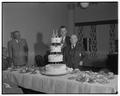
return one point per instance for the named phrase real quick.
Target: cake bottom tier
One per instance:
(56, 68)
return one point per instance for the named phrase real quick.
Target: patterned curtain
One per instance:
(93, 41)
(80, 35)
(112, 38)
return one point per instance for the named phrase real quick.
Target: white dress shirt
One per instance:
(73, 46)
(16, 40)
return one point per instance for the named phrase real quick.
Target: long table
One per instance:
(58, 84)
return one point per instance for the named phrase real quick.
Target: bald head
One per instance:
(73, 39)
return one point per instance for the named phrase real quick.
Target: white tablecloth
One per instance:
(58, 84)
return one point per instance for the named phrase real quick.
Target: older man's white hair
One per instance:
(74, 36)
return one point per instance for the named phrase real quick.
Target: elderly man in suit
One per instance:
(18, 50)
(74, 54)
(65, 39)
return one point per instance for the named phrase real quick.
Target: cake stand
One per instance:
(53, 74)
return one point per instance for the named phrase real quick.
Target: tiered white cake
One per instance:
(56, 68)
(55, 58)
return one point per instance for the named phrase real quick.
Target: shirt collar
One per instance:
(73, 45)
(17, 40)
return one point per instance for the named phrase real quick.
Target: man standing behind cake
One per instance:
(74, 54)
(65, 39)
(18, 50)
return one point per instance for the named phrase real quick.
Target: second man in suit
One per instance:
(74, 54)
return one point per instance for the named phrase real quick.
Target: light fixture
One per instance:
(84, 4)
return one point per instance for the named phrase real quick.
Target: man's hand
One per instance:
(81, 63)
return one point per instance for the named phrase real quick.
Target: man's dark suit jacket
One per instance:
(66, 42)
(72, 57)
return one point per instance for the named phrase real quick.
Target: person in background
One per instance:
(74, 54)
(6, 61)
(65, 39)
(18, 50)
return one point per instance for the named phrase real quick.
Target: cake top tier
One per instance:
(56, 40)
